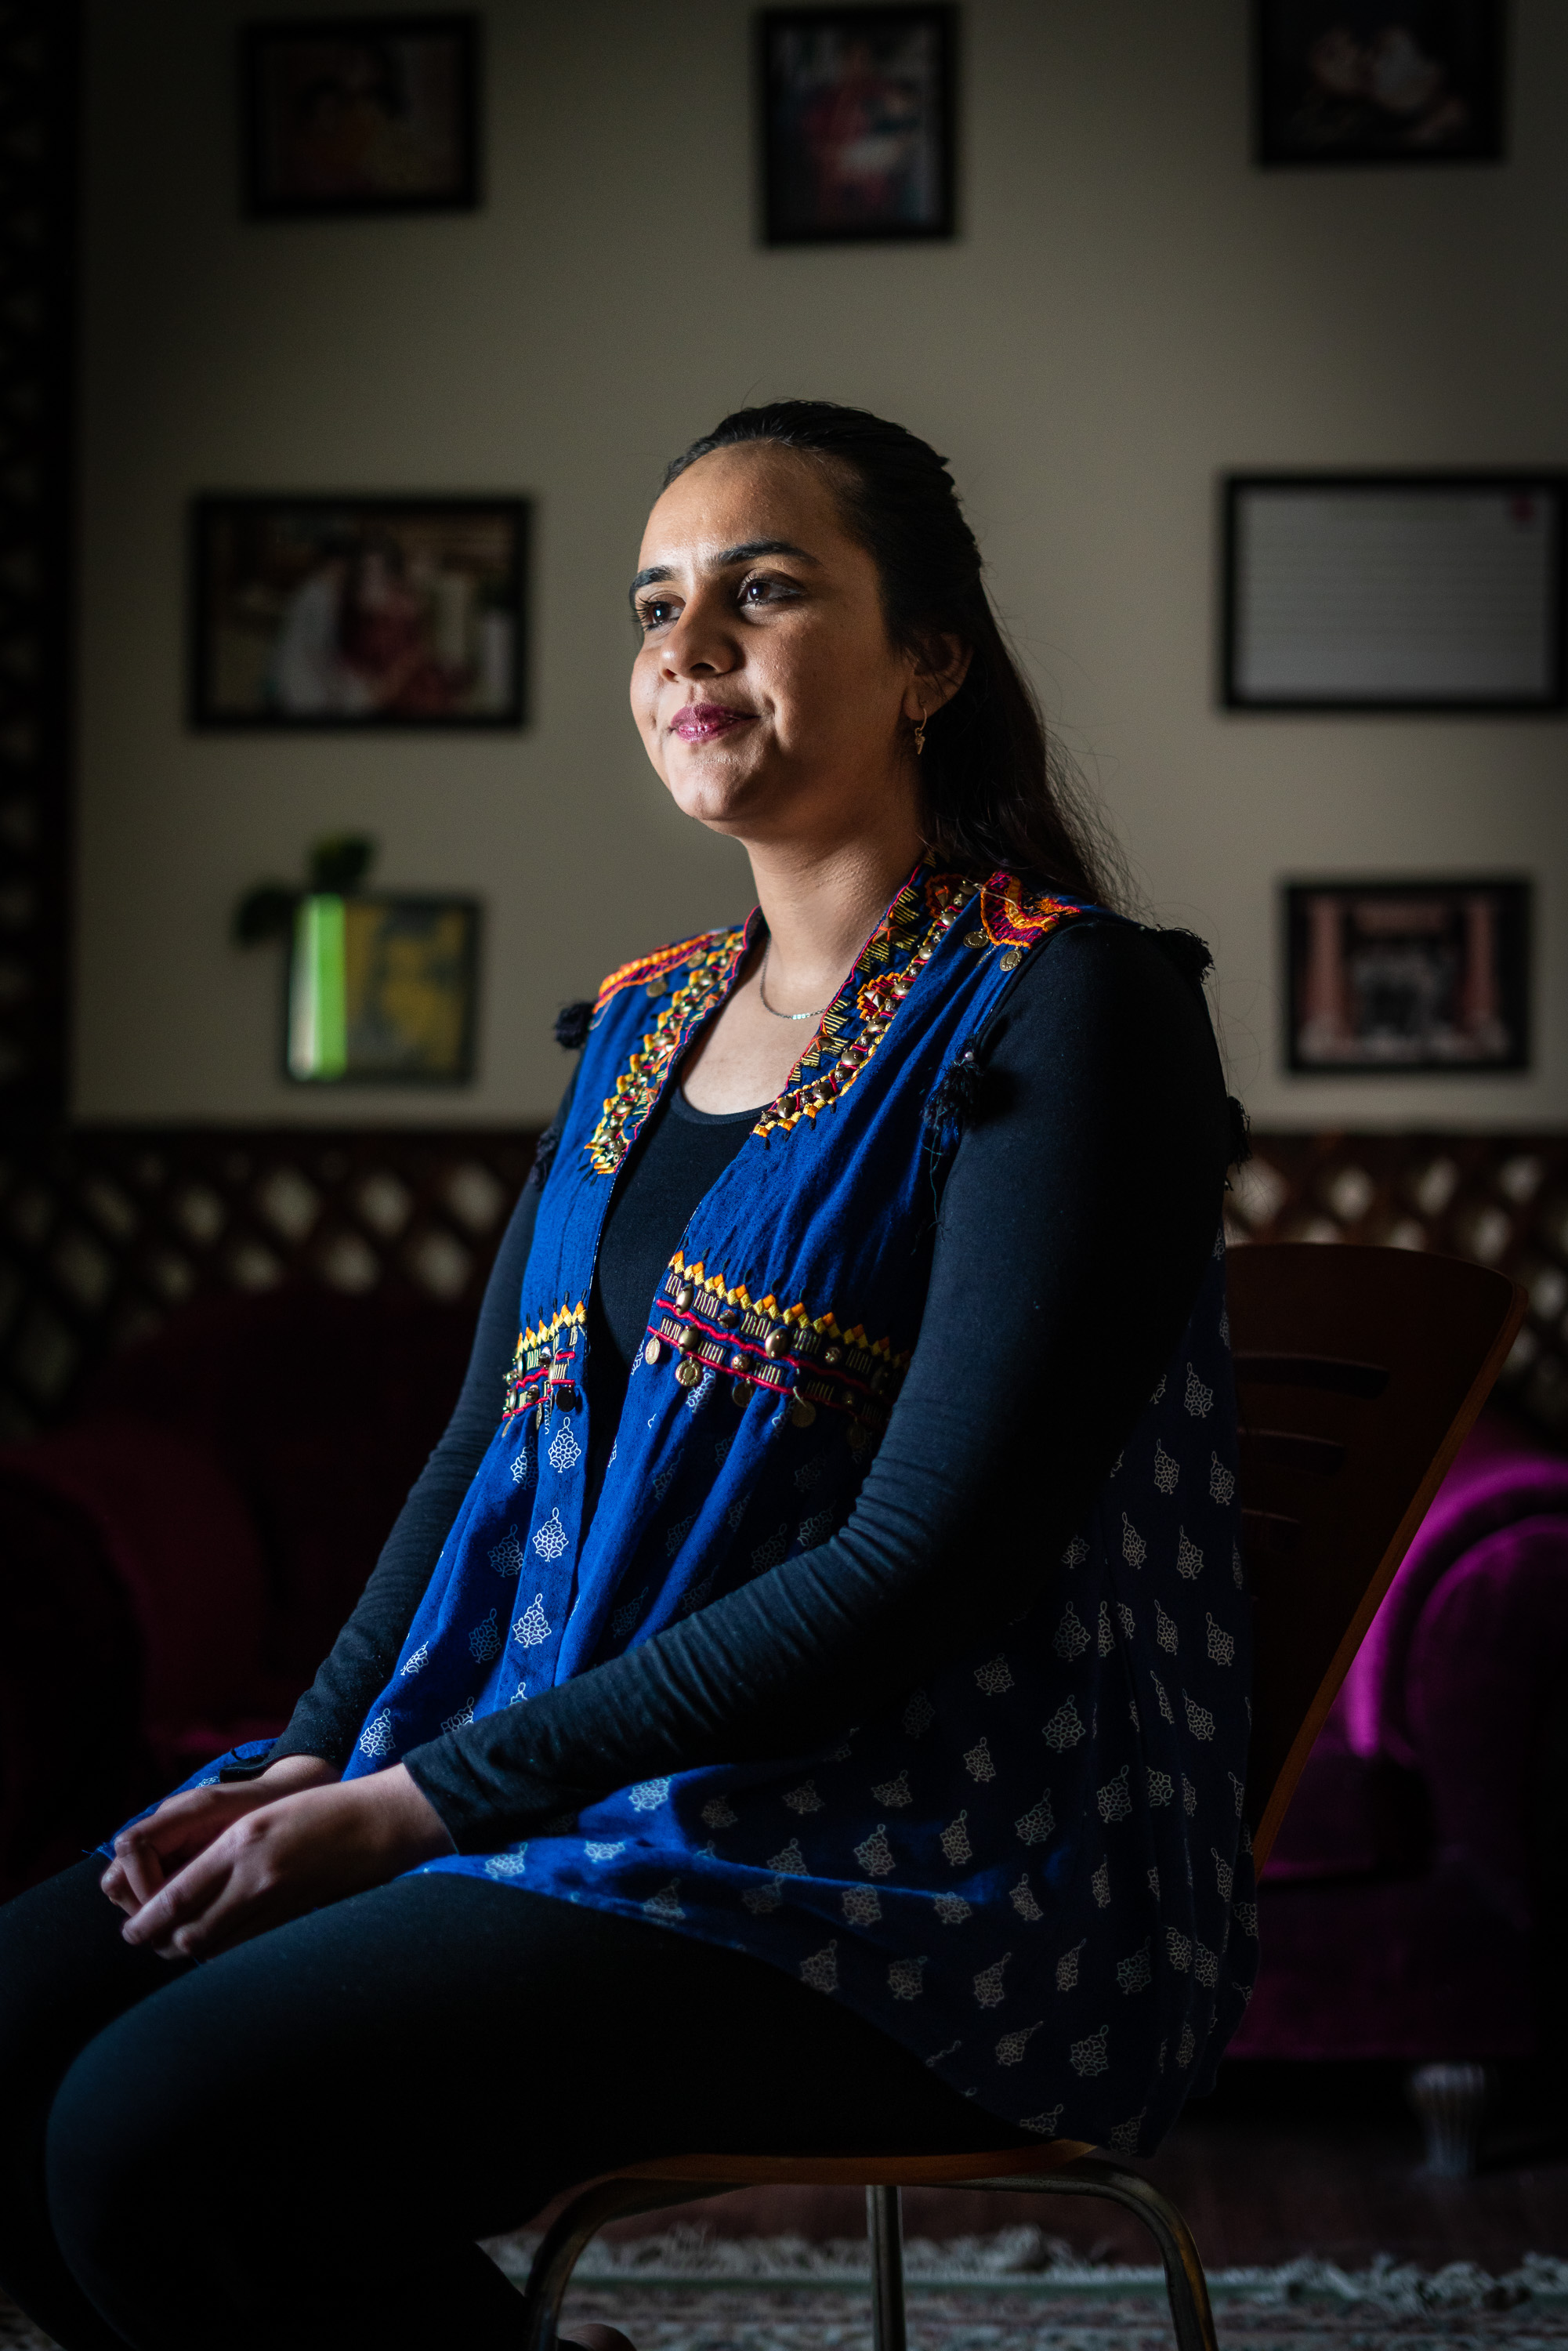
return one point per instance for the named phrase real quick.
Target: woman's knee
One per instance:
(116, 2152)
(64, 1973)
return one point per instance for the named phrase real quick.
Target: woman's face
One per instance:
(768, 694)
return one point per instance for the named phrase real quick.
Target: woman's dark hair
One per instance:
(999, 793)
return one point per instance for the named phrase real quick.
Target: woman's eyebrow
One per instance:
(747, 552)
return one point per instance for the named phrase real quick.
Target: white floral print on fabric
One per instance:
(874, 1855)
(506, 1556)
(532, 1630)
(551, 1539)
(821, 1971)
(565, 1452)
(376, 1738)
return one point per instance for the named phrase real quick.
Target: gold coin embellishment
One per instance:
(687, 1373)
(833, 1355)
(737, 1361)
(775, 1344)
(802, 1411)
(1012, 960)
(685, 1295)
(741, 1394)
(690, 1337)
(652, 1352)
(975, 939)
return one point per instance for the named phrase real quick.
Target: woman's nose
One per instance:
(698, 645)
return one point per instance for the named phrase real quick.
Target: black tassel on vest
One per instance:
(1187, 951)
(544, 1151)
(955, 1100)
(571, 1025)
(1241, 1133)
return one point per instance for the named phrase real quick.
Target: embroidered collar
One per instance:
(698, 974)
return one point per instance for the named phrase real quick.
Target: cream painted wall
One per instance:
(1130, 311)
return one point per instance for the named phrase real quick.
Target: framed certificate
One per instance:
(1394, 591)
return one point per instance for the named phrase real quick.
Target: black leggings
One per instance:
(299, 2142)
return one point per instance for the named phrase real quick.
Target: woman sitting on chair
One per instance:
(803, 1705)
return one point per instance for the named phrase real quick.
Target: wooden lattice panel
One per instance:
(1499, 1200)
(105, 1232)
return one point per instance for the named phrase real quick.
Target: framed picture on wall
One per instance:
(1378, 81)
(1394, 591)
(381, 990)
(858, 120)
(360, 114)
(1390, 977)
(358, 611)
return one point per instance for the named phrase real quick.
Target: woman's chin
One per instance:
(725, 802)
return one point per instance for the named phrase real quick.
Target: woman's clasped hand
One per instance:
(216, 1865)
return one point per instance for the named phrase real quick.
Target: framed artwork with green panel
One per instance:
(381, 990)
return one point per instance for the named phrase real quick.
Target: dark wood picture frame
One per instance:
(1548, 484)
(792, 213)
(1366, 962)
(271, 192)
(1425, 87)
(231, 594)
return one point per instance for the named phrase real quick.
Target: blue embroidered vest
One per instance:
(1032, 1871)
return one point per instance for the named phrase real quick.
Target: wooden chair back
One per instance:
(1359, 1373)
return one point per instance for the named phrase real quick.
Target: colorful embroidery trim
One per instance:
(710, 964)
(704, 1326)
(653, 971)
(892, 960)
(853, 1027)
(545, 1365)
(1012, 922)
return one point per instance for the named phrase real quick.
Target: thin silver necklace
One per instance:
(762, 992)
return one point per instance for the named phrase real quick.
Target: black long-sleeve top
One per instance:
(1073, 1225)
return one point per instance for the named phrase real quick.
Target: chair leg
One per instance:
(1185, 2284)
(575, 2228)
(884, 2226)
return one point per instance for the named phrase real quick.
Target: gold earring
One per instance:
(920, 734)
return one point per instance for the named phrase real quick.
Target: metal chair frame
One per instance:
(1303, 1317)
(1084, 2174)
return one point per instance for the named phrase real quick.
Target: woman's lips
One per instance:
(702, 722)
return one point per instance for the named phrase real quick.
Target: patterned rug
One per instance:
(1018, 2289)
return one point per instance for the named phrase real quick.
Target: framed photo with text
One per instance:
(858, 124)
(358, 611)
(1378, 81)
(1394, 591)
(360, 114)
(1388, 977)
